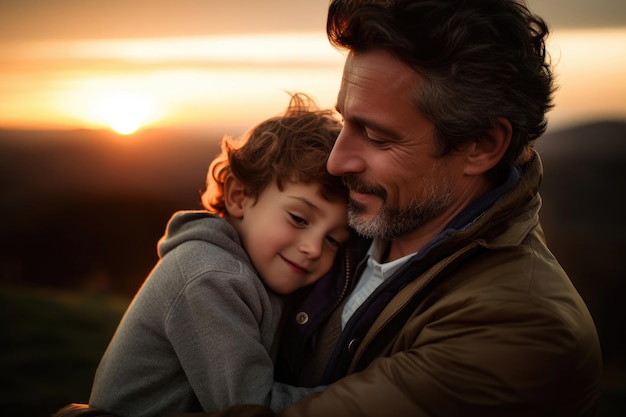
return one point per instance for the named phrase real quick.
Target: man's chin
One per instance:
(365, 225)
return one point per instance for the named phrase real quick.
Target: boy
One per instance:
(200, 333)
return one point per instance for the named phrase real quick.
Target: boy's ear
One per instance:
(234, 196)
(485, 153)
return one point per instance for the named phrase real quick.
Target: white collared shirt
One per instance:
(374, 274)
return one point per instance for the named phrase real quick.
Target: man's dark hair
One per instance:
(480, 60)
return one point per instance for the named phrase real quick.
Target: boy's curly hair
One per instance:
(293, 147)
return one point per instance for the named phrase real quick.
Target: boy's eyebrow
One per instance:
(304, 200)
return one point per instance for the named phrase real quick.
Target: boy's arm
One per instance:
(214, 329)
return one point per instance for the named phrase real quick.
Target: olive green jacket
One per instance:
(493, 327)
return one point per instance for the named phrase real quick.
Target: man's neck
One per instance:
(414, 241)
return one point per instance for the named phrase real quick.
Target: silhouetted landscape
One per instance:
(82, 211)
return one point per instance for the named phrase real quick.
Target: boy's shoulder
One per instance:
(199, 226)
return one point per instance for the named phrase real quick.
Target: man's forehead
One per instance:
(374, 75)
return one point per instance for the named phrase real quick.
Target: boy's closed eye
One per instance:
(334, 242)
(299, 221)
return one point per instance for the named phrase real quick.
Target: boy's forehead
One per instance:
(306, 191)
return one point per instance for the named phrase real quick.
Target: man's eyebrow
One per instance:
(385, 131)
(371, 124)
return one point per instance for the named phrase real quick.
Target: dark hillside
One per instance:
(86, 208)
(584, 220)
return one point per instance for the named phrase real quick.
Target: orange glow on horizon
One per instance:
(189, 82)
(123, 112)
(590, 68)
(238, 80)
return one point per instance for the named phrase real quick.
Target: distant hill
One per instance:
(168, 164)
(584, 219)
(594, 139)
(84, 209)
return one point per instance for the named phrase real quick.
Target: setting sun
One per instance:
(123, 112)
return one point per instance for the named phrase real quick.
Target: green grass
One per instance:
(52, 343)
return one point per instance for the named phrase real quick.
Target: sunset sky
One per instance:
(225, 65)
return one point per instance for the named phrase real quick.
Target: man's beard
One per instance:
(392, 222)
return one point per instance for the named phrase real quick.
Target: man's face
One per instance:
(399, 185)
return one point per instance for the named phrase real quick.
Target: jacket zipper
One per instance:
(346, 284)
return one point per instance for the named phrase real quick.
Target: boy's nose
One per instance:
(311, 246)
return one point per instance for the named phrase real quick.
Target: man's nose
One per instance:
(345, 157)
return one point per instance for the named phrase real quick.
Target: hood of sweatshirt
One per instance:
(186, 226)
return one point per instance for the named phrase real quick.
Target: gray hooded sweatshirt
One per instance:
(199, 334)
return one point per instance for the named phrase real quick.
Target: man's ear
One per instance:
(234, 196)
(485, 153)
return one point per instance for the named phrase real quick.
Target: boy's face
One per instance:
(293, 235)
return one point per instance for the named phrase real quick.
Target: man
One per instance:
(454, 305)
(459, 308)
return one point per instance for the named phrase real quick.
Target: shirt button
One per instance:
(353, 345)
(302, 318)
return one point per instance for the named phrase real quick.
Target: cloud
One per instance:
(581, 13)
(70, 19)
(302, 48)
